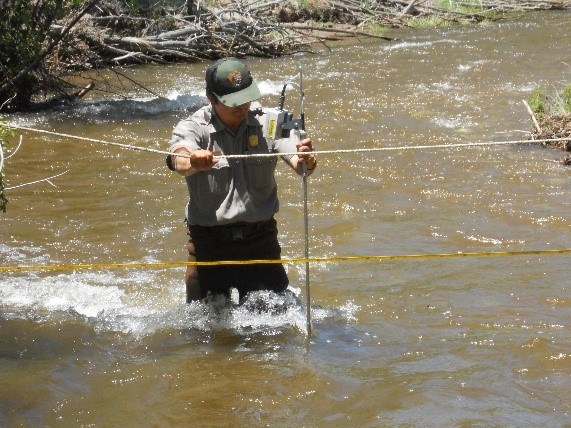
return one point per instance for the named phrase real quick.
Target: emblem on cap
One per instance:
(235, 78)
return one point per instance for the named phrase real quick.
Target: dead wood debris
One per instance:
(556, 127)
(111, 36)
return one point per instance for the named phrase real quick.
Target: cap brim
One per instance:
(246, 95)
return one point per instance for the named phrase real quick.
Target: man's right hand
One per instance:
(192, 161)
(202, 160)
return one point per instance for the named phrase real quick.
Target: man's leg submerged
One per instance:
(271, 277)
(195, 290)
(191, 276)
(245, 278)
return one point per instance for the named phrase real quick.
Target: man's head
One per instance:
(230, 81)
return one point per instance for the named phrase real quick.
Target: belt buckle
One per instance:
(237, 233)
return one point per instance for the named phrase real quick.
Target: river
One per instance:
(451, 341)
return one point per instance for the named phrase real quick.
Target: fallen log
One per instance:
(336, 30)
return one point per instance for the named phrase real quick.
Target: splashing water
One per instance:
(126, 304)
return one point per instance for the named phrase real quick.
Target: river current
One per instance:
(451, 341)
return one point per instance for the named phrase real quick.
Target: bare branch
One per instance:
(533, 118)
(49, 48)
(5, 103)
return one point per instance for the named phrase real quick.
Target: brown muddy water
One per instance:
(480, 341)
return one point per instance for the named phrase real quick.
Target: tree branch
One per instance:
(49, 48)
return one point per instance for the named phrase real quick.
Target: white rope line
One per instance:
(94, 140)
(17, 148)
(48, 179)
(397, 148)
(320, 152)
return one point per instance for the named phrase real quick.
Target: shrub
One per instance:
(566, 98)
(538, 101)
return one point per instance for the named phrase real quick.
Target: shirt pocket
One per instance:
(219, 177)
(260, 177)
(260, 172)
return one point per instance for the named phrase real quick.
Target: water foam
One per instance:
(138, 304)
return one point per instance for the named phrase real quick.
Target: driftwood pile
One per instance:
(104, 33)
(552, 127)
(556, 127)
(186, 38)
(113, 37)
(271, 28)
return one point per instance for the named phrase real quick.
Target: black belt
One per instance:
(232, 231)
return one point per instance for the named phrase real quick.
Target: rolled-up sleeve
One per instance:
(285, 145)
(186, 134)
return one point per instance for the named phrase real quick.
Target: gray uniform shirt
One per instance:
(241, 189)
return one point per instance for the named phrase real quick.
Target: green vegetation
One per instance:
(4, 132)
(453, 12)
(466, 6)
(376, 29)
(27, 38)
(429, 21)
(566, 98)
(537, 101)
(472, 7)
(558, 104)
(23, 32)
(553, 114)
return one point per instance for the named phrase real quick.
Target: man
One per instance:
(230, 215)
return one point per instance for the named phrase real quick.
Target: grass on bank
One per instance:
(557, 104)
(460, 13)
(553, 113)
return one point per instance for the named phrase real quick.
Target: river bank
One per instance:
(557, 129)
(110, 33)
(116, 35)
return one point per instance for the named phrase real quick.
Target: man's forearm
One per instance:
(181, 163)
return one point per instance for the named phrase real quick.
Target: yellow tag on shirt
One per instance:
(253, 140)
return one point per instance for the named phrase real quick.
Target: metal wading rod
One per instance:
(305, 215)
(306, 252)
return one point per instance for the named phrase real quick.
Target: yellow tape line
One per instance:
(293, 260)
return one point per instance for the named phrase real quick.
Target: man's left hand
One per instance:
(306, 145)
